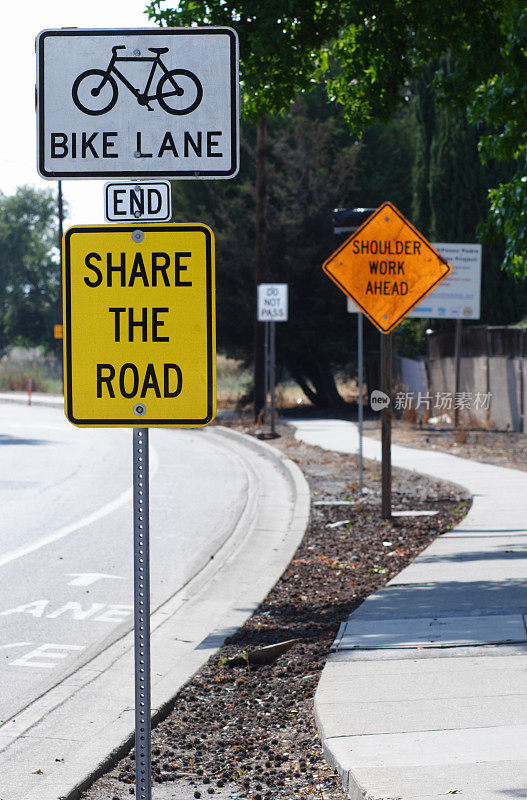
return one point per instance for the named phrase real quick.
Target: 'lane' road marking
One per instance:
(115, 612)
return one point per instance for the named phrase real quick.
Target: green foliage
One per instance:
(501, 100)
(384, 164)
(451, 191)
(280, 43)
(381, 51)
(373, 55)
(314, 165)
(508, 218)
(401, 44)
(29, 267)
(409, 338)
(311, 164)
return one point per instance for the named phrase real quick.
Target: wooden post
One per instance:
(59, 299)
(386, 426)
(360, 378)
(521, 381)
(261, 263)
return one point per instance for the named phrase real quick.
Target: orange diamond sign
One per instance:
(387, 267)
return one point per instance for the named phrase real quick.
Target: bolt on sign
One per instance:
(152, 102)
(139, 325)
(386, 267)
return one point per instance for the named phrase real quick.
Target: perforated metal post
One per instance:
(143, 766)
(266, 367)
(272, 372)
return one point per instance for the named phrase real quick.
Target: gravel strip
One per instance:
(240, 729)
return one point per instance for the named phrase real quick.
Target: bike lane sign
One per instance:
(138, 103)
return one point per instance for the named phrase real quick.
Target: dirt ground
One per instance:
(502, 448)
(240, 729)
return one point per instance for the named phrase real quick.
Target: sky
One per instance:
(20, 26)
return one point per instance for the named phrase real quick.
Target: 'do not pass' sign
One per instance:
(387, 267)
(273, 302)
(139, 325)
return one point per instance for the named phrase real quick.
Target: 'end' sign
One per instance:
(146, 201)
(273, 302)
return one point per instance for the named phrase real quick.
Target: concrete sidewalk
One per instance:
(425, 694)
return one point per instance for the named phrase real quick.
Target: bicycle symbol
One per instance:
(178, 91)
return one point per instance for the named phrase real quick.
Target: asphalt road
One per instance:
(66, 537)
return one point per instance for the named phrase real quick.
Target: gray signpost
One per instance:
(345, 222)
(143, 766)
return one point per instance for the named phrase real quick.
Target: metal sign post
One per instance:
(266, 366)
(345, 222)
(272, 373)
(360, 379)
(352, 308)
(143, 765)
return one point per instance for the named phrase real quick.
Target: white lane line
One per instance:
(103, 511)
(89, 578)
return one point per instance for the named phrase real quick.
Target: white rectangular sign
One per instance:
(152, 102)
(273, 302)
(143, 201)
(458, 296)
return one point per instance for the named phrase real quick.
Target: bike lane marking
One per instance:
(48, 650)
(115, 612)
(61, 533)
(89, 578)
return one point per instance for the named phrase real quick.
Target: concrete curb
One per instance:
(37, 399)
(92, 710)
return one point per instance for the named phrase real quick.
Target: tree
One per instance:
(280, 43)
(382, 54)
(311, 162)
(451, 190)
(29, 267)
(276, 62)
(374, 53)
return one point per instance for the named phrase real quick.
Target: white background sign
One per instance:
(139, 200)
(108, 106)
(458, 296)
(273, 302)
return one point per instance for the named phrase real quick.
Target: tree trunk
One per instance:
(316, 379)
(261, 264)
